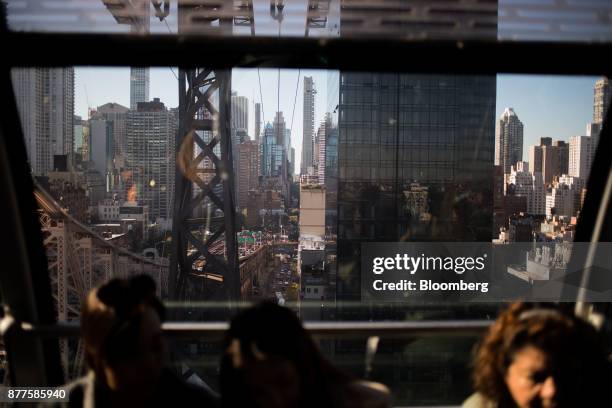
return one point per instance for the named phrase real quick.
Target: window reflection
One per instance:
(342, 159)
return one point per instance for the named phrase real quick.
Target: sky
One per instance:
(549, 106)
(246, 83)
(97, 86)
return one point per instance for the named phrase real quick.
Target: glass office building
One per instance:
(415, 154)
(415, 158)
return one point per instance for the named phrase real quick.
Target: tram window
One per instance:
(294, 185)
(485, 159)
(443, 158)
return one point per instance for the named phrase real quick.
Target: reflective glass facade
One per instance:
(415, 159)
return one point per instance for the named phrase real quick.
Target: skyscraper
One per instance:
(150, 137)
(139, 86)
(581, 153)
(550, 159)
(508, 140)
(415, 163)
(535, 155)
(283, 135)
(275, 147)
(45, 100)
(101, 147)
(249, 169)
(319, 141)
(239, 125)
(396, 130)
(61, 105)
(320, 147)
(308, 126)
(240, 112)
(257, 121)
(561, 150)
(331, 150)
(601, 100)
(77, 123)
(271, 153)
(331, 154)
(139, 76)
(275, 156)
(115, 116)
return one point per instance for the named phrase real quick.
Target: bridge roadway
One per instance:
(79, 259)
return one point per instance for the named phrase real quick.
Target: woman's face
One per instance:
(529, 380)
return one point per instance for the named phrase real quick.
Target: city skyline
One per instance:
(549, 106)
(97, 86)
(410, 159)
(558, 107)
(551, 184)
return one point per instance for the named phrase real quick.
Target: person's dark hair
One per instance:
(573, 348)
(110, 319)
(277, 332)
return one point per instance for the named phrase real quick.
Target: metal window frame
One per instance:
(215, 331)
(24, 283)
(28, 293)
(354, 54)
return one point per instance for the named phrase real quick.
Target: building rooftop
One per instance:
(153, 106)
(508, 112)
(311, 242)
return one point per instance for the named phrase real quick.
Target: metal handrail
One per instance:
(216, 330)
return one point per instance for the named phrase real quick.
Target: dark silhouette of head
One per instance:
(121, 328)
(271, 361)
